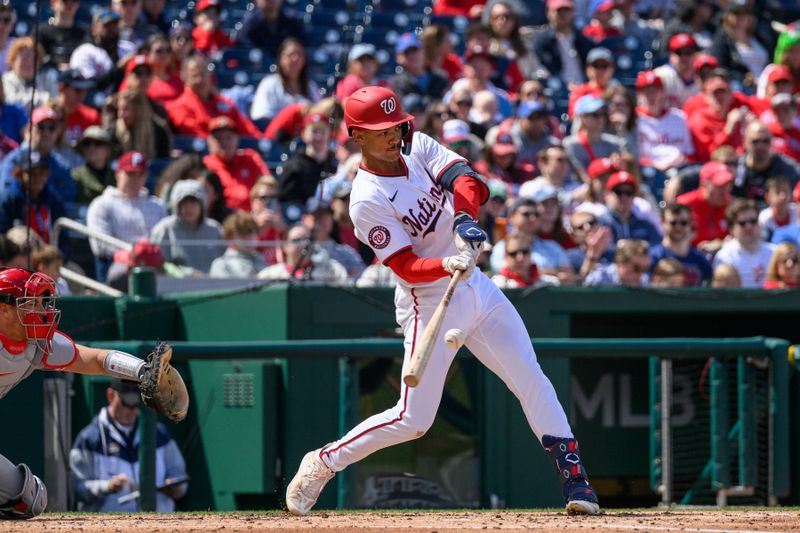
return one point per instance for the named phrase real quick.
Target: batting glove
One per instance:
(469, 237)
(463, 261)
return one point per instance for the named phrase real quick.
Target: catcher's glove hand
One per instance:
(162, 387)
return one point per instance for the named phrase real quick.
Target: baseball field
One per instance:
(699, 520)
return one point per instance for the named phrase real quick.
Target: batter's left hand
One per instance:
(469, 236)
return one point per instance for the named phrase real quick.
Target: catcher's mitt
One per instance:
(162, 387)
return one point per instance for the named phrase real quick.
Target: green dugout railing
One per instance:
(729, 428)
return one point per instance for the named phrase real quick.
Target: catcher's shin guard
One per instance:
(579, 496)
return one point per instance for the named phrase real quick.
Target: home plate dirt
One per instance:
(689, 520)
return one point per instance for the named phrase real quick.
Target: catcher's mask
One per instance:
(34, 296)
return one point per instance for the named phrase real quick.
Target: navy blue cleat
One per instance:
(579, 496)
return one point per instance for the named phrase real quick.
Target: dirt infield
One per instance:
(690, 520)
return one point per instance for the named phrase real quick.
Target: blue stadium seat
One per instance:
(154, 169)
(190, 143)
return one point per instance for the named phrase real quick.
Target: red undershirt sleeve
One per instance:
(468, 195)
(413, 269)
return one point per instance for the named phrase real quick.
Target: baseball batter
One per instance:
(415, 203)
(30, 340)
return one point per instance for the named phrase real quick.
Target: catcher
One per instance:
(30, 340)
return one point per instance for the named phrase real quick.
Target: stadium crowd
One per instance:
(625, 142)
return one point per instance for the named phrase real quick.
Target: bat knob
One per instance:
(411, 380)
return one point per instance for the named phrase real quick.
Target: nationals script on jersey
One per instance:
(412, 210)
(19, 359)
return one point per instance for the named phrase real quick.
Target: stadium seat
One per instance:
(190, 143)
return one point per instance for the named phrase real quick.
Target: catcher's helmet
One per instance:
(377, 108)
(34, 295)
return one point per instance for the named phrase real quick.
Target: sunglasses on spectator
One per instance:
(564, 9)
(47, 127)
(586, 226)
(761, 140)
(523, 251)
(527, 214)
(161, 51)
(502, 16)
(535, 93)
(94, 143)
(464, 103)
(600, 65)
(675, 223)
(685, 52)
(6, 20)
(732, 163)
(623, 192)
(747, 222)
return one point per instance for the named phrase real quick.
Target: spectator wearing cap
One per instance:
(457, 137)
(13, 118)
(153, 14)
(138, 74)
(126, 211)
(704, 66)
(785, 133)
(626, 223)
(96, 173)
(554, 172)
(629, 269)
(760, 162)
(531, 130)
(679, 75)
(301, 262)
(593, 243)
(287, 125)
(746, 251)
(305, 169)
(601, 25)
(62, 34)
(132, 29)
(192, 111)
(693, 17)
(267, 212)
(242, 258)
(289, 85)
(518, 270)
(677, 223)
(787, 53)
(492, 214)
(105, 455)
(708, 204)
(509, 38)
(18, 80)
(9, 17)
(551, 213)
(790, 232)
(664, 139)
(600, 76)
(43, 140)
(416, 77)
(319, 219)
(237, 168)
(548, 255)
(208, 35)
(344, 231)
(72, 89)
(590, 142)
(138, 128)
(779, 80)
(780, 211)
(188, 222)
(362, 69)
(500, 160)
(560, 47)
(95, 60)
(28, 199)
(736, 45)
(719, 122)
(478, 70)
(267, 26)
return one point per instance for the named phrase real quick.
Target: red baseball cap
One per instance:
(705, 60)
(137, 61)
(221, 122)
(132, 162)
(681, 40)
(717, 173)
(315, 117)
(478, 51)
(600, 167)
(648, 78)
(504, 145)
(779, 73)
(202, 5)
(621, 178)
(555, 4)
(40, 114)
(144, 254)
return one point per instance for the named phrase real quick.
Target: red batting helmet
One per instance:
(34, 295)
(374, 108)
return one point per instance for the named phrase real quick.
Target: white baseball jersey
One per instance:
(414, 211)
(394, 213)
(676, 90)
(662, 139)
(19, 359)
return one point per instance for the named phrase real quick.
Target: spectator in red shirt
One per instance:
(166, 83)
(720, 122)
(779, 80)
(238, 169)
(207, 34)
(362, 67)
(704, 65)
(192, 111)
(785, 134)
(599, 72)
(601, 26)
(72, 89)
(708, 204)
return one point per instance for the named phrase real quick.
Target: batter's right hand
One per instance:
(463, 261)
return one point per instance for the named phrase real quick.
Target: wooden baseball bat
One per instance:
(422, 352)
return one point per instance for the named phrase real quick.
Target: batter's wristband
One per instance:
(123, 365)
